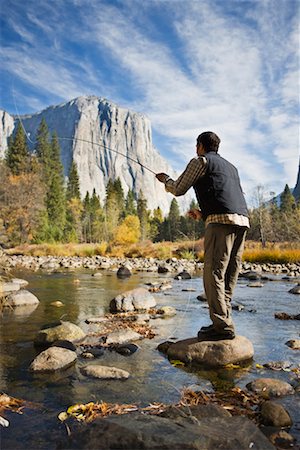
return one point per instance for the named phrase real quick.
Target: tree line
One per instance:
(37, 205)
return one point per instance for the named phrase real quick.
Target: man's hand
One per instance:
(162, 177)
(194, 214)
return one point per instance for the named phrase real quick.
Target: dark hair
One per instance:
(209, 140)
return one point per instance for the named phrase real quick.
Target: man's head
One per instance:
(207, 142)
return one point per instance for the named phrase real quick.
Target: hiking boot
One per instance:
(207, 327)
(215, 335)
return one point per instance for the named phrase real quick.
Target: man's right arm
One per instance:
(196, 168)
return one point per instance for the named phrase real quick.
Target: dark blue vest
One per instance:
(219, 190)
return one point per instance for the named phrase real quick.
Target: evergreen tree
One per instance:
(114, 206)
(86, 218)
(174, 220)
(155, 222)
(143, 215)
(44, 152)
(17, 154)
(55, 199)
(287, 201)
(73, 190)
(130, 204)
(97, 218)
(119, 196)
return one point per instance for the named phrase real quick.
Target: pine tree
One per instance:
(143, 215)
(155, 222)
(73, 190)
(55, 200)
(130, 204)
(44, 152)
(119, 196)
(174, 220)
(17, 155)
(86, 217)
(287, 200)
(97, 218)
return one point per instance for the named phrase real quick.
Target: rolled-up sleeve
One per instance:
(195, 169)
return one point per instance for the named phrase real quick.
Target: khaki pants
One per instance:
(223, 248)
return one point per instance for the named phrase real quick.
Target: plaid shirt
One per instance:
(195, 169)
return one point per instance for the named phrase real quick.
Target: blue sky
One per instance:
(190, 65)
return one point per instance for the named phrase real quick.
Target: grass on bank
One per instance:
(280, 253)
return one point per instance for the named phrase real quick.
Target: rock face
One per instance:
(134, 300)
(212, 353)
(137, 431)
(54, 358)
(65, 331)
(87, 128)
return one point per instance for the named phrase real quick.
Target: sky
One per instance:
(228, 66)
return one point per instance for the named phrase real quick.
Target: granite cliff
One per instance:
(100, 121)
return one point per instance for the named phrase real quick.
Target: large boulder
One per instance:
(64, 331)
(141, 431)
(8, 287)
(21, 298)
(212, 353)
(54, 358)
(134, 300)
(105, 372)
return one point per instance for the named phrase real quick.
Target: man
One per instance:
(222, 205)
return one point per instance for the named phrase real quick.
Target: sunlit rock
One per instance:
(134, 300)
(54, 358)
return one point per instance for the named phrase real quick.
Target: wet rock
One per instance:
(149, 432)
(134, 300)
(123, 272)
(164, 346)
(9, 287)
(96, 351)
(274, 414)
(126, 349)
(212, 353)
(278, 365)
(97, 275)
(167, 311)
(202, 297)
(87, 355)
(197, 411)
(22, 283)
(21, 298)
(295, 289)
(270, 387)
(184, 275)
(54, 358)
(122, 337)
(188, 290)
(97, 320)
(250, 275)
(294, 344)
(286, 316)
(64, 344)
(64, 331)
(105, 372)
(141, 319)
(57, 303)
(163, 269)
(281, 439)
(255, 284)
(237, 307)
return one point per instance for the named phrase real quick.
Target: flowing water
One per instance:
(153, 378)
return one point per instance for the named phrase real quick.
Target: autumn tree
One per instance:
(128, 232)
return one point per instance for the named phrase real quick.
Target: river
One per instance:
(153, 378)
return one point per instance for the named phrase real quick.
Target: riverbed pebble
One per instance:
(270, 387)
(274, 414)
(105, 372)
(52, 359)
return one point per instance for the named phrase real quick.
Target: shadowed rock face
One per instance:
(296, 191)
(212, 353)
(100, 121)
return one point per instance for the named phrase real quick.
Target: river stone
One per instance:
(163, 269)
(126, 349)
(276, 415)
(22, 283)
(167, 311)
(123, 272)
(134, 300)
(22, 298)
(64, 344)
(105, 372)
(149, 432)
(123, 336)
(255, 284)
(54, 358)
(202, 297)
(295, 289)
(97, 275)
(64, 331)
(250, 275)
(212, 353)
(196, 411)
(270, 387)
(294, 344)
(184, 275)
(8, 287)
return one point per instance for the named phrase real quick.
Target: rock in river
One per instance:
(21, 298)
(54, 358)
(270, 387)
(104, 372)
(64, 331)
(122, 336)
(274, 414)
(123, 272)
(295, 289)
(212, 353)
(134, 300)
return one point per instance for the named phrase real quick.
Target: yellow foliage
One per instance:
(128, 232)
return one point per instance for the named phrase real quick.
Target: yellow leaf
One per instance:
(176, 362)
(232, 366)
(62, 416)
(259, 366)
(74, 408)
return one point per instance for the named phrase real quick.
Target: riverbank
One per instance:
(172, 265)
